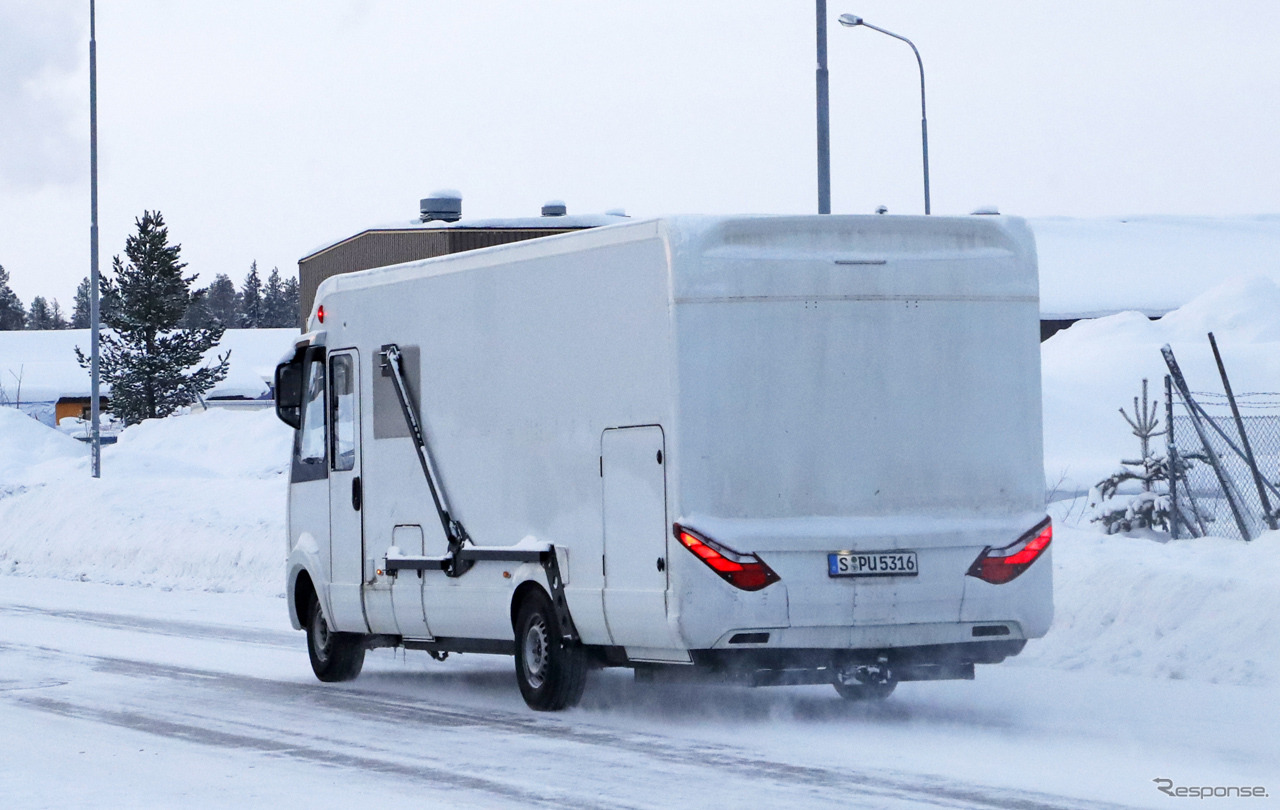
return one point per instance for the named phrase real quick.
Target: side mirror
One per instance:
(289, 391)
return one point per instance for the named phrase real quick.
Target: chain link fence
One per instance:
(1200, 496)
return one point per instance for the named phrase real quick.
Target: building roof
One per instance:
(566, 222)
(1150, 264)
(46, 363)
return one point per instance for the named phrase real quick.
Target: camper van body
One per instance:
(777, 449)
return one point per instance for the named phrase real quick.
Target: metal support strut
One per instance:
(460, 559)
(453, 565)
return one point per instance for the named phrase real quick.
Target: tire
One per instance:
(334, 656)
(551, 673)
(865, 691)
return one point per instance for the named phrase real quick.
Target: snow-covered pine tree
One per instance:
(1150, 508)
(145, 356)
(12, 314)
(273, 304)
(251, 299)
(80, 314)
(222, 301)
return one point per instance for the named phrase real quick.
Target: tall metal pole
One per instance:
(95, 435)
(824, 115)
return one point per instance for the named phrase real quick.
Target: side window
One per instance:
(342, 412)
(311, 443)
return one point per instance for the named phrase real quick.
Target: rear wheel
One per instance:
(551, 672)
(334, 656)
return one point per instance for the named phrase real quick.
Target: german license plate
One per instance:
(873, 564)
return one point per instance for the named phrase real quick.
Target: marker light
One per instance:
(320, 313)
(1000, 565)
(745, 571)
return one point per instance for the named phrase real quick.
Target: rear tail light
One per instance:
(745, 571)
(1000, 565)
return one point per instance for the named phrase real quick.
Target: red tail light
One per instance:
(745, 571)
(1000, 565)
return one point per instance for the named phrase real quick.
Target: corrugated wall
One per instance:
(382, 248)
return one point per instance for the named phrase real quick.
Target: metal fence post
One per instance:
(1171, 457)
(1228, 487)
(1244, 438)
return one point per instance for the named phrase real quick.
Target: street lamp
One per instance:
(95, 369)
(824, 117)
(852, 21)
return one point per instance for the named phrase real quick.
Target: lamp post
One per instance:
(852, 21)
(95, 434)
(824, 117)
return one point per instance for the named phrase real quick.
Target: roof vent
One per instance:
(616, 212)
(554, 208)
(985, 211)
(444, 205)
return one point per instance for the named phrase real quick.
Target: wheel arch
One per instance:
(521, 593)
(303, 590)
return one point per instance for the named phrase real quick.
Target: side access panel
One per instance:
(633, 469)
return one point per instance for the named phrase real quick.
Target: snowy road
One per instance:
(121, 697)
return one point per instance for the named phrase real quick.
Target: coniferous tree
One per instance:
(292, 301)
(12, 314)
(197, 316)
(56, 319)
(251, 299)
(80, 314)
(146, 357)
(39, 316)
(222, 301)
(273, 314)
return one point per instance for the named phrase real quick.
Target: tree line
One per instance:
(256, 304)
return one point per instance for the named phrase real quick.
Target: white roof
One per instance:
(1151, 264)
(46, 362)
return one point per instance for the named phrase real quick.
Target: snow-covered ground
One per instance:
(142, 641)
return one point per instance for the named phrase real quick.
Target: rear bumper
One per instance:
(931, 655)
(792, 666)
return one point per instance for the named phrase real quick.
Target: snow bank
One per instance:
(26, 444)
(1200, 610)
(194, 502)
(1096, 367)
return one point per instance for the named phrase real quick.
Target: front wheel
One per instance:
(551, 672)
(334, 656)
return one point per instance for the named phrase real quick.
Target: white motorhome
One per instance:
(772, 450)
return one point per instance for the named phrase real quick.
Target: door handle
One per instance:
(355, 493)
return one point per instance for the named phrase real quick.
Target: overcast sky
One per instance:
(264, 129)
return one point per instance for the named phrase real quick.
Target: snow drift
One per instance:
(195, 501)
